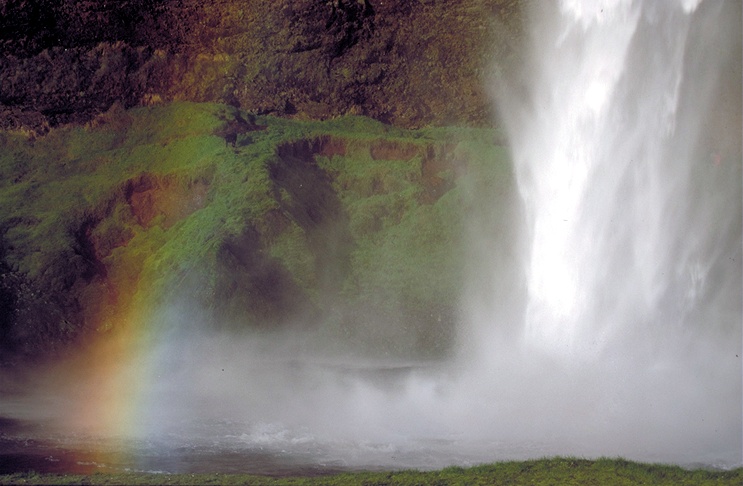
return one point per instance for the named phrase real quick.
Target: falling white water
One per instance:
(607, 156)
(613, 324)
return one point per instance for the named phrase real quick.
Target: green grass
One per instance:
(533, 472)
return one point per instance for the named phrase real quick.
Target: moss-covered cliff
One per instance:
(348, 227)
(155, 151)
(406, 62)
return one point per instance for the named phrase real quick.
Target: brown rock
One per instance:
(405, 62)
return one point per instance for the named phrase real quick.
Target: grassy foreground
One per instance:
(534, 472)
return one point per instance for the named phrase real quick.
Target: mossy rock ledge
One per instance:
(347, 227)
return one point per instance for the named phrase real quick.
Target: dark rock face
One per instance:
(406, 62)
(33, 323)
(314, 205)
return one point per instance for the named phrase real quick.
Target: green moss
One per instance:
(72, 209)
(172, 121)
(290, 247)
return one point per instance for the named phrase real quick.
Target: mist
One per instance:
(602, 311)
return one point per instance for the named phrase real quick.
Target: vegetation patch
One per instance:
(347, 226)
(534, 472)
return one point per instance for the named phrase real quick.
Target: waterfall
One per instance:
(612, 324)
(630, 214)
(602, 312)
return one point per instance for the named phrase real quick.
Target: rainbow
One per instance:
(115, 372)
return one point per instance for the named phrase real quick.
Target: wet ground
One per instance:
(32, 438)
(23, 448)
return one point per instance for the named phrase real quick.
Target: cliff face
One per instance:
(404, 62)
(112, 183)
(347, 228)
